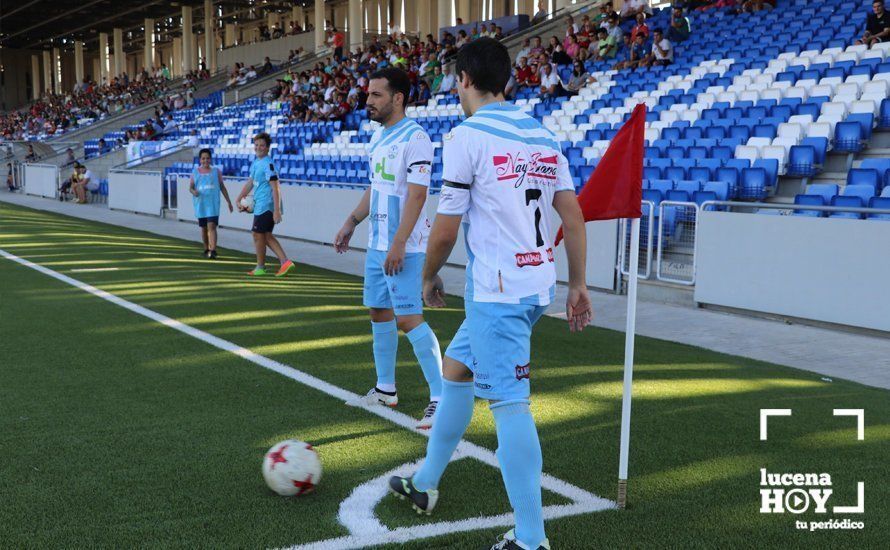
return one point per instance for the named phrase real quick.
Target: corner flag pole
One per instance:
(628, 359)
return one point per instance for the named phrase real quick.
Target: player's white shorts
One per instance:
(494, 342)
(400, 292)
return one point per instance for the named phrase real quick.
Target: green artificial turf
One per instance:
(120, 432)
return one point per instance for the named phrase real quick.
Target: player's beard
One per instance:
(381, 115)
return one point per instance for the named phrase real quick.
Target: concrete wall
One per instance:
(254, 54)
(831, 270)
(316, 214)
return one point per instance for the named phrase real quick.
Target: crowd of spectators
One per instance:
(338, 86)
(53, 114)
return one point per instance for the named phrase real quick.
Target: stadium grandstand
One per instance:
(765, 189)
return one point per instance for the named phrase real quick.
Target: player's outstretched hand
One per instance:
(341, 241)
(579, 310)
(434, 292)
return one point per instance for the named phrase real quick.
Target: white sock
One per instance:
(389, 388)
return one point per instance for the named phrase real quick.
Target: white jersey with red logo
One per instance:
(501, 170)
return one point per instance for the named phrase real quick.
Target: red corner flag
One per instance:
(615, 188)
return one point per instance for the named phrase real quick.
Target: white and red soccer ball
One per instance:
(292, 468)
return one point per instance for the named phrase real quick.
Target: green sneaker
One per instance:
(257, 272)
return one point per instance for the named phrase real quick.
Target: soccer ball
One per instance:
(292, 468)
(247, 202)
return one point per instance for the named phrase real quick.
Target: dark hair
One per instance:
(265, 137)
(208, 151)
(487, 63)
(659, 31)
(397, 82)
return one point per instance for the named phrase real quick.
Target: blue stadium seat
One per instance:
(882, 203)
(884, 121)
(864, 176)
(809, 200)
(754, 182)
(802, 161)
(848, 137)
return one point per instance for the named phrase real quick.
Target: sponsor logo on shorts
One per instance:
(523, 371)
(483, 386)
(404, 306)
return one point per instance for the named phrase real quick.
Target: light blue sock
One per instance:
(386, 345)
(519, 454)
(426, 349)
(452, 418)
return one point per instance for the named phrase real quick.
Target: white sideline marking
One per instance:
(584, 501)
(94, 269)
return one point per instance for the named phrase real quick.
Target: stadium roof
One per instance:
(40, 24)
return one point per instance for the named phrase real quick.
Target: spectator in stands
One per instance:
(640, 28)
(31, 156)
(536, 49)
(461, 39)
(447, 84)
(69, 158)
(340, 40)
(571, 46)
(626, 54)
(758, 5)
(522, 71)
(267, 66)
(662, 51)
(68, 184)
(632, 8)
(580, 78)
(679, 29)
(86, 182)
(10, 178)
(605, 47)
(550, 85)
(557, 54)
(877, 26)
(103, 147)
(424, 93)
(541, 14)
(571, 26)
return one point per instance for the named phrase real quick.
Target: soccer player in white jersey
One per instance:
(502, 174)
(400, 156)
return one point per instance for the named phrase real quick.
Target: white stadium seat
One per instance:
(746, 152)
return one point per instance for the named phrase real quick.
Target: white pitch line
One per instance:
(584, 500)
(94, 269)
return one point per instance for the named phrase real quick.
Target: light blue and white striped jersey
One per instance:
(501, 169)
(399, 155)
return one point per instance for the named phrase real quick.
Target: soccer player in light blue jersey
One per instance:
(206, 184)
(266, 207)
(502, 172)
(400, 157)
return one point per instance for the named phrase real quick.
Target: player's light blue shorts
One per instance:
(494, 342)
(401, 292)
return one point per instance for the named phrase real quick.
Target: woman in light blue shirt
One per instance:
(205, 185)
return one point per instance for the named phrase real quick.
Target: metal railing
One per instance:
(677, 231)
(644, 269)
